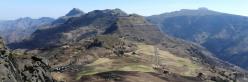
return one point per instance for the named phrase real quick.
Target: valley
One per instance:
(110, 46)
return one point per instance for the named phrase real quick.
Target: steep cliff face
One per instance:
(22, 68)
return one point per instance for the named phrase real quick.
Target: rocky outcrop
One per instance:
(6, 67)
(75, 12)
(22, 69)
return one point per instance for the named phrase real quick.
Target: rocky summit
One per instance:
(75, 12)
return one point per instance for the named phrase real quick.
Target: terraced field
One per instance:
(182, 66)
(142, 61)
(106, 65)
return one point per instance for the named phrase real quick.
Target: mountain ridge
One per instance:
(221, 34)
(106, 42)
(19, 29)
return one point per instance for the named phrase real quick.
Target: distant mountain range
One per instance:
(111, 45)
(18, 30)
(21, 29)
(225, 35)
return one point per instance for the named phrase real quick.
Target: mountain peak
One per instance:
(202, 8)
(117, 12)
(25, 18)
(75, 12)
(202, 11)
(199, 11)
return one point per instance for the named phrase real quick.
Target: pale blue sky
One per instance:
(12, 9)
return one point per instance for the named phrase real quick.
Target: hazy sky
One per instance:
(12, 9)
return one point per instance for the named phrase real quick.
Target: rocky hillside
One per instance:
(111, 45)
(22, 68)
(223, 34)
(18, 30)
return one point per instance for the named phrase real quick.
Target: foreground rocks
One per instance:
(15, 68)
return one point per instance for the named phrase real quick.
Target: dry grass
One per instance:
(106, 64)
(60, 77)
(175, 64)
(141, 62)
(141, 68)
(101, 61)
